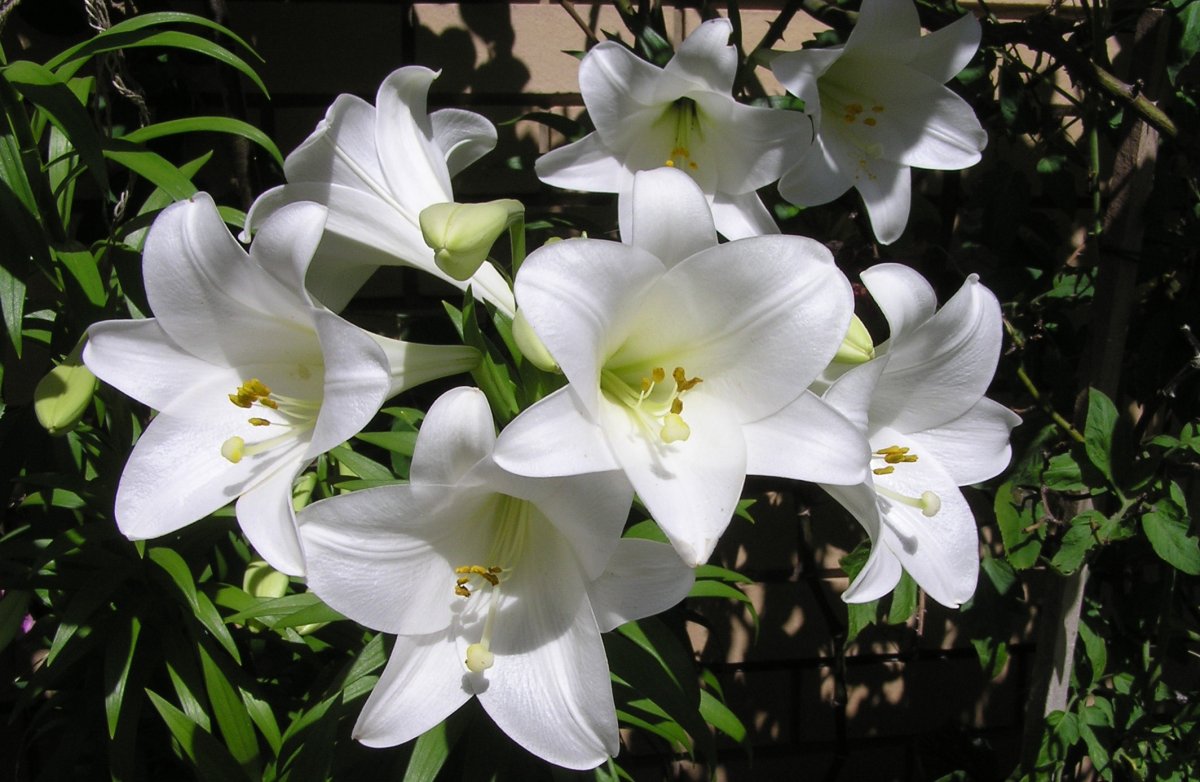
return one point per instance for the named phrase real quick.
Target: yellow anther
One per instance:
(884, 470)
(669, 163)
(682, 383)
(676, 406)
(877, 109)
(259, 422)
(658, 374)
(854, 108)
(869, 121)
(462, 591)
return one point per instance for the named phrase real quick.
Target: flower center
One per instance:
(858, 119)
(512, 526)
(928, 503)
(687, 122)
(300, 415)
(656, 405)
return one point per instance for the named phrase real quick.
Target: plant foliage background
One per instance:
(184, 658)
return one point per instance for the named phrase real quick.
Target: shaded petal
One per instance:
(264, 513)
(778, 296)
(643, 578)
(413, 166)
(550, 668)
(929, 126)
(385, 556)
(882, 570)
(799, 72)
(575, 294)
(886, 190)
(943, 53)
(706, 57)
(742, 216)
(886, 29)
(817, 178)
(138, 358)
(626, 96)
(974, 446)
(462, 136)
(356, 382)
(691, 488)
(906, 298)
(587, 165)
(285, 244)
(420, 687)
(341, 150)
(749, 146)
(555, 436)
(851, 393)
(671, 218)
(457, 433)
(942, 368)
(807, 440)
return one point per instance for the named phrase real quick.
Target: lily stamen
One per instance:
(928, 503)
(658, 408)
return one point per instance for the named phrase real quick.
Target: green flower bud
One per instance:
(857, 347)
(63, 396)
(461, 235)
(263, 581)
(531, 346)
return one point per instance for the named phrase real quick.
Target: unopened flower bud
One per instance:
(857, 347)
(63, 395)
(531, 346)
(461, 235)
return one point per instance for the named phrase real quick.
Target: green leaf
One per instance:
(118, 660)
(1098, 431)
(720, 589)
(211, 760)
(288, 611)
(1074, 547)
(720, 717)
(431, 750)
(395, 442)
(12, 307)
(1014, 517)
(904, 600)
(154, 168)
(14, 607)
(202, 607)
(1062, 473)
(1167, 529)
(260, 712)
(227, 125)
(230, 713)
(81, 265)
(51, 94)
(1096, 649)
(361, 466)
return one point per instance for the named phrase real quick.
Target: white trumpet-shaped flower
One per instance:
(682, 115)
(251, 379)
(498, 586)
(376, 168)
(880, 107)
(688, 362)
(931, 430)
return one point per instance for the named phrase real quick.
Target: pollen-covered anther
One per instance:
(259, 422)
(682, 382)
(896, 454)
(466, 573)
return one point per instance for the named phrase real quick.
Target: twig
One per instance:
(569, 7)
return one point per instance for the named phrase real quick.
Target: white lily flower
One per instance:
(251, 378)
(684, 116)
(376, 168)
(931, 430)
(880, 107)
(498, 586)
(687, 361)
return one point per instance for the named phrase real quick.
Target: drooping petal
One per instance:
(799, 72)
(691, 488)
(742, 216)
(555, 436)
(943, 134)
(420, 687)
(886, 190)
(458, 432)
(385, 556)
(851, 393)
(264, 513)
(974, 446)
(285, 244)
(341, 150)
(749, 146)
(549, 688)
(706, 57)
(672, 220)
(776, 295)
(575, 294)
(882, 570)
(643, 578)
(943, 53)
(906, 299)
(413, 166)
(807, 440)
(817, 178)
(138, 358)
(587, 164)
(625, 96)
(942, 368)
(462, 136)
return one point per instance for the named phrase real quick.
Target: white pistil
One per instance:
(928, 503)
(254, 393)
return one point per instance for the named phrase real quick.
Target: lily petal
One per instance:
(887, 193)
(265, 514)
(554, 437)
(673, 220)
(817, 178)
(906, 299)
(974, 446)
(706, 57)
(943, 53)
(413, 166)
(356, 382)
(462, 136)
(742, 216)
(458, 433)
(807, 440)
(587, 164)
(643, 578)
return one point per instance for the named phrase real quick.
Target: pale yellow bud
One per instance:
(857, 347)
(461, 235)
(531, 346)
(63, 396)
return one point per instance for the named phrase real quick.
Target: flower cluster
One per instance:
(673, 365)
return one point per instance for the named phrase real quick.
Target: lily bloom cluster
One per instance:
(682, 364)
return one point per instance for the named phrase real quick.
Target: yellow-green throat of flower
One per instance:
(656, 405)
(301, 415)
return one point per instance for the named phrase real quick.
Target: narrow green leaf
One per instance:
(1096, 649)
(14, 607)
(202, 608)
(361, 466)
(227, 125)
(12, 307)
(154, 168)
(431, 750)
(81, 265)
(721, 717)
(395, 442)
(1098, 431)
(904, 600)
(210, 759)
(260, 711)
(230, 713)
(118, 660)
